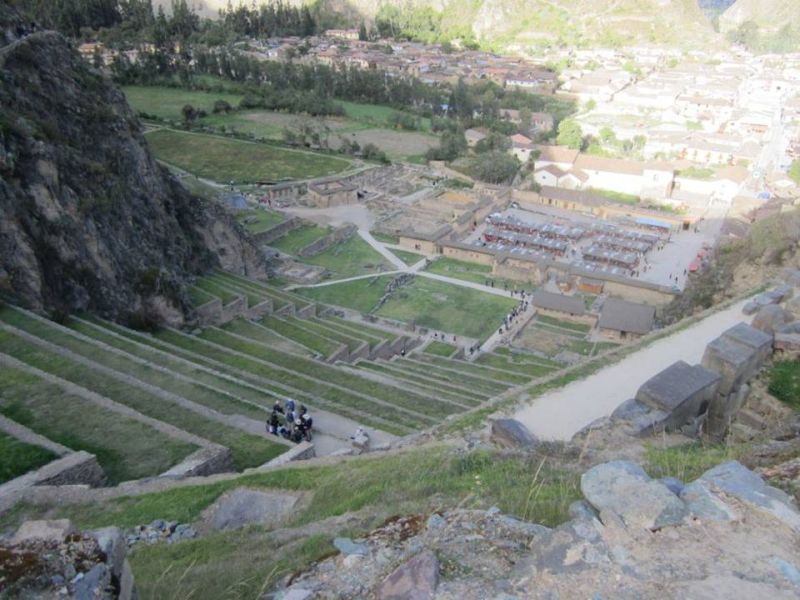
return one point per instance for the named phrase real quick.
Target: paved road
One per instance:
(560, 414)
(379, 247)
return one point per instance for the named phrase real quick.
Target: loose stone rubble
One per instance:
(725, 535)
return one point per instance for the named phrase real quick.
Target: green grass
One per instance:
(259, 220)
(446, 307)
(364, 328)
(17, 458)
(126, 449)
(351, 257)
(244, 563)
(297, 239)
(212, 289)
(248, 450)
(580, 327)
(328, 374)
(475, 273)
(689, 461)
(530, 369)
(295, 331)
(386, 238)
(484, 374)
(431, 385)
(409, 258)
(784, 382)
(375, 115)
(616, 196)
(439, 349)
(361, 295)
(224, 160)
(167, 102)
(311, 378)
(198, 297)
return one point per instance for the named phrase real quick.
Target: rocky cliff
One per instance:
(88, 218)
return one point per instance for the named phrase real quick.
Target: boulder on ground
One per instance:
(791, 276)
(736, 480)
(416, 579)
(510, 433)
(624, 489)
(45, 531)
(242, 507)
(771, 318)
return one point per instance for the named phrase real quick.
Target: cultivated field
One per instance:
(167, 102)
(224, 160)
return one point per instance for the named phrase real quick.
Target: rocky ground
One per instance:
(725, 535)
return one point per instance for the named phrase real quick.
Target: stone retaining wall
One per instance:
(302, 451)
(233, 309)
(209, 313)
(259, 310)
(342, 353)
(206, 461)
(28, 436)
(279, 230)
(77, 468)
(323, 243)
(306, 312)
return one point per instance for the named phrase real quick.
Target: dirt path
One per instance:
(560, 414)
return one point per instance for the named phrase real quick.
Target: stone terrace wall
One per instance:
(209, 313)
(323, 243)
(235, 308)
(279, 230)
(206, 461)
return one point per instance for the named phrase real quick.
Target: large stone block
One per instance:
(682, 391)
(46, 531)
(627, 491)
(735, 480)
(736, 356)
(771, 318)
(416, 579)
(510, 433)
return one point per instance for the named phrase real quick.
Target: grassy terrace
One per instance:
(114, 336)
(209, 287)
(314, 370)
(299, 238)
(503, 378)
(270, 291)
(224, 159)
(258, 220)
(439, 349)
(353, 333)
(125, 448)
(363, 327)
(17, 458)
(255, 294)
(428, 382)
(563, 324)
(459, 378)
(308, 376)
(409, 258)
(202, 394)
(296, 331)
(166, 102)
(386, 238)
(361, 295)
(248, 450)
(530, 369)
(446, 307)
(323, 328)
(475, 273)
(199, 297)
(517, 357)
(351, 257)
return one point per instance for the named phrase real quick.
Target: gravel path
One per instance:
(560, 414)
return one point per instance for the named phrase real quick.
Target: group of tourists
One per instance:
(290, 423)
(517, 311)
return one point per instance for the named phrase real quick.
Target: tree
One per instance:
(362, 32)
(607, 135)
(570, 134)
(221, 106)
(494, 167)
(189, 113)
(591, 104)
(794, 171)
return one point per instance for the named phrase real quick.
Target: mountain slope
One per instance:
(769, 15)
(88, 219)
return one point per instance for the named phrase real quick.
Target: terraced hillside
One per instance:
(144, 402)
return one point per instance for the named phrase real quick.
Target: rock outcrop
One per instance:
(725, 535)
(88, 218)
